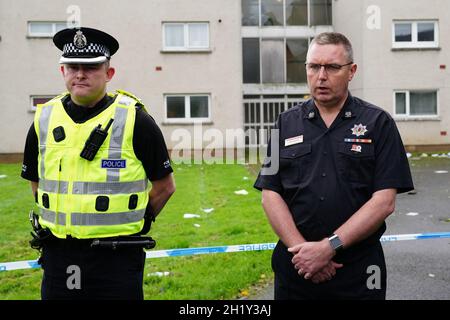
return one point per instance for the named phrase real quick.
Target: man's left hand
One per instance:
(310, 257)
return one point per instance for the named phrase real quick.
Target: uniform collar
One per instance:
(310, 111)
(348, 110)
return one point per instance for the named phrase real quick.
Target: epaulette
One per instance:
(60, 96)
(139, 104)
(128, 94)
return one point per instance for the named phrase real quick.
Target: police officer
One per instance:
(341, 163)
(89, 155)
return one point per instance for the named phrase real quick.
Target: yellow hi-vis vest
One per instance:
(85, 199)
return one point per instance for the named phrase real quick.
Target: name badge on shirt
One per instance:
(356, 148)
(293, 140)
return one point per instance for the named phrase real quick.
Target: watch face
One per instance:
(336, 243)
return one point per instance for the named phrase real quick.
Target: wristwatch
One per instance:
(335, 243)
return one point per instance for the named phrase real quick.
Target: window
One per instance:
(272, 13)
(250, 12)
(415, 103)
(274, 60)
(35, 100)
(296, 50)
(297, 12)
(187, 108)
(44, 29)
(250, 61)
(185, 36)
(269, 13)
(415, 34)
(320, 12)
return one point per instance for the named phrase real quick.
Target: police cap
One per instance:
(85, 45)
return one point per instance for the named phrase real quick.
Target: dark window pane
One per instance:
(272, 61)
(199, 107)
(425, 31)
(422, 103)
(320, 12)
(258, 112)
(41, 100)
(296, 12)
(295, 59)
(400, 103)
(175, 107)
(250, 13)
(403, 32)
(250, 48)
(271, 13)
(246, 112)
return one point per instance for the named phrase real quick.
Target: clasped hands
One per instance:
(313, 260)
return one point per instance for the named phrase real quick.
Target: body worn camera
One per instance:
(95, 141)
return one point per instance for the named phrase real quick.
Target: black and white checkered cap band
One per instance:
(92, 48)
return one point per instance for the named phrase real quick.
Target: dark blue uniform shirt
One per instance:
(327, 174)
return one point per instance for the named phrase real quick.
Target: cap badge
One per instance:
(359, 130)
(79, 40)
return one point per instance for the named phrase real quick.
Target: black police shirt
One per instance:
(326, 174)
(148, 141)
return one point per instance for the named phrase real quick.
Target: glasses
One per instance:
(329, 68)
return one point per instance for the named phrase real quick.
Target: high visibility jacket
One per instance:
(89, 199)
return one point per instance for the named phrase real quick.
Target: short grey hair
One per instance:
(335, 38)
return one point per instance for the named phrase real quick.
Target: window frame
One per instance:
(284, 24)
(285, 65)
(187, 108)
(31, 34)
(414, 43)
(186, 46)
(407, 114)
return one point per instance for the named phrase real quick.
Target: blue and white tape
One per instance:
(32, 264)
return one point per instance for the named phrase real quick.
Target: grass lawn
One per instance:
(236, 219)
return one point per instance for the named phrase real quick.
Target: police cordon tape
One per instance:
(33, 264)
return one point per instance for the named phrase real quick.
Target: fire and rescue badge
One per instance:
(79, 40)
(359, 130)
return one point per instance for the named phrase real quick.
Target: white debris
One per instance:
(159, 274)
(424, 155)
(412, 214)
(441, 171)
(431, 275)
(408, 155)
(208, 210)
(2, 176)
(196, 225)
(435, 155)
(242, 192)
(244, 178)
(190, 215)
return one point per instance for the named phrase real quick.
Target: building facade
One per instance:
(212, 69)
